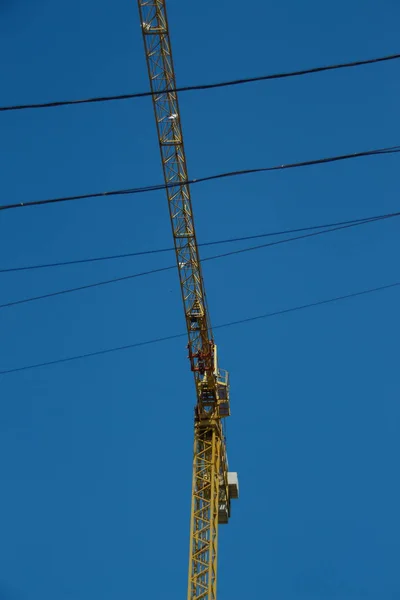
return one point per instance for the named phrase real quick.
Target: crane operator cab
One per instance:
(222, 378)
(223, 393)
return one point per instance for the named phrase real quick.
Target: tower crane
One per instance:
(213, 486)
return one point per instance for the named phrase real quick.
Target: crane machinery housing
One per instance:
(213, 486)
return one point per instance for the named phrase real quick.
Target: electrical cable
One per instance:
(86, 287)
(154, 188)
(220, 326)
(207, 86)
(202, 245)
(170, 267)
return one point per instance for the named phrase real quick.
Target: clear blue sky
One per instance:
(95, 467)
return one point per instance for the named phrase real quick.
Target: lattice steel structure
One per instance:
(212, 486)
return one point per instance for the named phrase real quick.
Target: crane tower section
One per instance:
(213, 487)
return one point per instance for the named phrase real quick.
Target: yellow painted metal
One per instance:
(210, 498)
(207, 494)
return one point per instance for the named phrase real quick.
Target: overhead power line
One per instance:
(209, 258)
(155, 188)
(203, 244)
(247, 320)
(206, 86)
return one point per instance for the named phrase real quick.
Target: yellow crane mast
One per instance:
(213, 486)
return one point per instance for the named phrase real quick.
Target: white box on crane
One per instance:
(233, 486)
